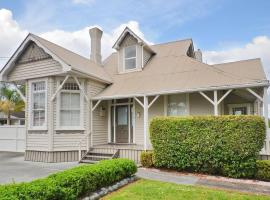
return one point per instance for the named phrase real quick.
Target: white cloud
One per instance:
(259, 47)
(11, 35)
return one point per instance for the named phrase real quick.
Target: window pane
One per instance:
(122, 117)
(39, 86)
(130, 63)
(36, 118)
(65, 101)
(75, 118)
(130, 52)
(64, 118)
(177, 105)
(75, 101)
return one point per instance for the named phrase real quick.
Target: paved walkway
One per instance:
(13, 168)
(252, 186)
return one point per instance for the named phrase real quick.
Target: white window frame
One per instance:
(58, 107)
(247, 105)
(30, 110)
(124, 58)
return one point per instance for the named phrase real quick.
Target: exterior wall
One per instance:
(34, 63)
(36, 69)
(100, 120)
(199, 105)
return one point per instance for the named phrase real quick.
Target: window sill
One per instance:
(37, 129)
(70, 129)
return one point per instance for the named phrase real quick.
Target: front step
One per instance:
(93, 156)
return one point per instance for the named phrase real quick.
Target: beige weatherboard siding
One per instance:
(168, 79)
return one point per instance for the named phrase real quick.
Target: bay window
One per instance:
(38, 104)
(177, 105)
(70, 106)
(130, 57)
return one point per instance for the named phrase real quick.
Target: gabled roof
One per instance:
(69, 60)
(122, 37)
(171, 71)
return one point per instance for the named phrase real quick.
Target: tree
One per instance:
(10, 101)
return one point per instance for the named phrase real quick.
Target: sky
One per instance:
(225, 30)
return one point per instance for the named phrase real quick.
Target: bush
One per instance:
(225, 145)
(72, 183)
(147, 159)
(263, 170)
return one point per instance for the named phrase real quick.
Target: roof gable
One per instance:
(128, 32)
(69, 61)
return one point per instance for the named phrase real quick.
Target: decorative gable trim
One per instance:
(21, 49)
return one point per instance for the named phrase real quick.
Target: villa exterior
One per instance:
(76, 104)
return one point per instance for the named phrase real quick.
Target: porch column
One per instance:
(215, 103)
(91, 123)
(265, 106)
(145, 120)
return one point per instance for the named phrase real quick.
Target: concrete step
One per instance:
(97, 156)
(89, 161)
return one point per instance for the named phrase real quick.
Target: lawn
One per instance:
(148, 189)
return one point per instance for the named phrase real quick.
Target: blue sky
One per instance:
(211, 23)
(225, 30)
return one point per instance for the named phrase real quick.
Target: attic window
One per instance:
(130, 57)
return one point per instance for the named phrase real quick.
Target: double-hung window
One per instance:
(70, 106)
(177, 105)
(130, 57)
(38, 101)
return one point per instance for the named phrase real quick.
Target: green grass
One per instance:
(147, 189)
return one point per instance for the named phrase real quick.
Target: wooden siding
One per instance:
(35, 69)
(68, 140)
(37, 140)
(146, 56)
(100, 123)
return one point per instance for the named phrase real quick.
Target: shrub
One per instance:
(147, 159)
(263, 170)
(225, 145)
(72, 183)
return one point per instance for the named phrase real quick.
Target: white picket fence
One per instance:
(12, 138)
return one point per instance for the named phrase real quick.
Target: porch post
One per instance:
(265, 106)
(215, 103)
(91, 123)
(145, 120)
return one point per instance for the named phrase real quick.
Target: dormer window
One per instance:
(130, 57)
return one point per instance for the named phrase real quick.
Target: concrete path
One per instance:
(252, 186)
(13, 168)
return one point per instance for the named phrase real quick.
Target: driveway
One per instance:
(13, 168)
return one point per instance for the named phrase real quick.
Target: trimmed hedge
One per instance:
(263, 170)
(225, 145)
(71, 184)
(147, 159)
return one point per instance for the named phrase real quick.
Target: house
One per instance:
(16, 118)
(76, 105)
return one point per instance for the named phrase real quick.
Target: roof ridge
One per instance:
(174, 41)
(246, 60)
